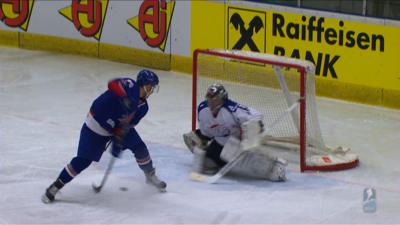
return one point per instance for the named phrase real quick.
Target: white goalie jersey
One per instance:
(227, 122)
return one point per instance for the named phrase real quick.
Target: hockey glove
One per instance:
(117, 140)
(193, 139)
(116, 149)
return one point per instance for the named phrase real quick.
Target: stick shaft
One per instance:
(106, 173)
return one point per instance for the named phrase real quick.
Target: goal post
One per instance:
(283, 90)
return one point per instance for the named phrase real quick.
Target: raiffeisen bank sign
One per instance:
(333, 39)
(314, 29)
(339, 47)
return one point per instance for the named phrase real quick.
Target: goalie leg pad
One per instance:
(198, 160)
(261, 166)
(231, 149)
(278, 171)
(202, 164)
(254, 165)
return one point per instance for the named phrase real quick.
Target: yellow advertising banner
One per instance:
(343, 50)
(208, 23)
(348, 51)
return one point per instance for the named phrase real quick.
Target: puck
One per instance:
(123, 188)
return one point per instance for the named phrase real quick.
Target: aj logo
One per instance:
(16, 13)
(246, 30)
(153, 22)
(87, 16)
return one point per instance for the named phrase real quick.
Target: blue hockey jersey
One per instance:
(108, 111)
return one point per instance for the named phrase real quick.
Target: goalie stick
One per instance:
(225, 169)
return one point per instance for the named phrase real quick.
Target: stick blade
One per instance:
(214, 178)
(96, 189)
(204, 178)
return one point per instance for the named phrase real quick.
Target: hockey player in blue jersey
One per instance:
(222, 123)
(112, 118)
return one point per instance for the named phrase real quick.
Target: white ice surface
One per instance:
(44, 98)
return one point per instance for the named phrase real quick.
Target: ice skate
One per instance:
(151, 178)
(51, 191)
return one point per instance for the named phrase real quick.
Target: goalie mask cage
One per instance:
(283, 90)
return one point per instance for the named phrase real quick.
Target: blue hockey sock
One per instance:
(76, 166)
(146, 164)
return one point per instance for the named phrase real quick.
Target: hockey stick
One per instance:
(97, 188)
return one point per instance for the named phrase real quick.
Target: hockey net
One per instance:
(283, 90)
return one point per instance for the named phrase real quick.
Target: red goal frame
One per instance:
(302, 103)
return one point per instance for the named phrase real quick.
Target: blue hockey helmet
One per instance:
(146, 77)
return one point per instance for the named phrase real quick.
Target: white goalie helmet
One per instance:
(216, 96)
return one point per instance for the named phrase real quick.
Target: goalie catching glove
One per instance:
(195, 139)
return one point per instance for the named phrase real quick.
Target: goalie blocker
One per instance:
(244, 158)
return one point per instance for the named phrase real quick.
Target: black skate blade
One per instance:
(46, 200)
(96, 188)
(160, 187)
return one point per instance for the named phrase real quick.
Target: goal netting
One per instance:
(283, 90)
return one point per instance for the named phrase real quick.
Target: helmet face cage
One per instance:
(216, 96)
(146, 77)
(151, 90)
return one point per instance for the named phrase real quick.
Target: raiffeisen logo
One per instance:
(153, 22)
(87, 16)
(16, 13)
(246, 29)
